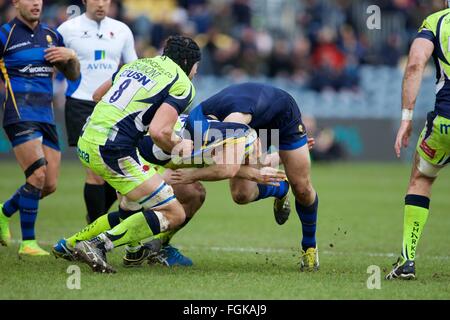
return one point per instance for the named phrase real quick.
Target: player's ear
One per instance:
(84, 2)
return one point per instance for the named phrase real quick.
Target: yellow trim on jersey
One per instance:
(8, 87)
(9, 37)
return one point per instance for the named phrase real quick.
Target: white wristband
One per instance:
(407, 114)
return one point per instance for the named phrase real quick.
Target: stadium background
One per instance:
(342, 73)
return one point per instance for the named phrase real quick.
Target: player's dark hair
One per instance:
(183, 51)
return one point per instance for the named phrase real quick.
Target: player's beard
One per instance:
(30, 17)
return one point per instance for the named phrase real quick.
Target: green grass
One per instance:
(241, 253)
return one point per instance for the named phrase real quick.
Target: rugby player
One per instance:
(101, 43)
(29, 51)
(224, 154)
(264, 107)
(433, 148)
(144, 96)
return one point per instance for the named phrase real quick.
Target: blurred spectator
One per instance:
(321, 49)
(326, 147)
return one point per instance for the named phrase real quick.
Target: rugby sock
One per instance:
(28, 207)
(137, 227)
(165, 237)
(102, 224)
(12, 205)
(308, 218)
(416, 214)
(110, 195)
(94, 197)
(266, 191)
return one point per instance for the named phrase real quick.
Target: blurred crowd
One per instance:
(323, 51)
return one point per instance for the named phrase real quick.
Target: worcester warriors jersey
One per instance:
(123, 116)
(26, 74)
(436, 28)
(265, 103)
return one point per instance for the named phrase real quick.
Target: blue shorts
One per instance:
(21, 132)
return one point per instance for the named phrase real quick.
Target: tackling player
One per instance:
(144, 96)
(265, 107)
(433, 148)
(101, 43)
(29, 51)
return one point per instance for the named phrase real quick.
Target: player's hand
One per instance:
(271, 176)
(180, 176)
(403, 135)
(311, 143)
(59, 54)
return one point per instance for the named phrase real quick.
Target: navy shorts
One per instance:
(21, 132)
(292, 131)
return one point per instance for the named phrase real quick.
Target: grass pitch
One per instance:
(240, 252)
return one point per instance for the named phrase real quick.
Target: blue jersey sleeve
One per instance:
(3, 38)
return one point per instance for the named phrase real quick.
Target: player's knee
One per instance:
(37, 178)
(303, 191)
(240, 197)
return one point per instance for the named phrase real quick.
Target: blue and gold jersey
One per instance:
(25, 72)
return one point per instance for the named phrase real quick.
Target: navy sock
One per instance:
(28, 206)
(153, 221)
(266, 191)
(113, 218)
(123, 214)
(308, 218)
(12, 205)
(94, 197)
(110, 195)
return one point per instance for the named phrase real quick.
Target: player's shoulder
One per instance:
(434, 18)
(6, 27)
(117, 25)
(51, 30)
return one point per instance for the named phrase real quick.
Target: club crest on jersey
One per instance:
(49, 41)
(301, 128)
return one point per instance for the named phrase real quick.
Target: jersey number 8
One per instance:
(123, 92)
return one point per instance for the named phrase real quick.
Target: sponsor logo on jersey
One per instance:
(136, 75)
(427, 149)
(35, 70)
(99, 55)
(85, 35)
(19, 45)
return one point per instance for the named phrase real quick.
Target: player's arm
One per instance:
(420, 52)
(265, 175)
(162, 134)
(102, 90)
(161, 131)
(227, 162)
(65, 60)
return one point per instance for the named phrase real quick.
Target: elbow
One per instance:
(158, 134)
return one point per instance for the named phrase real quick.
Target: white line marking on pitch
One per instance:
(279, 250)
